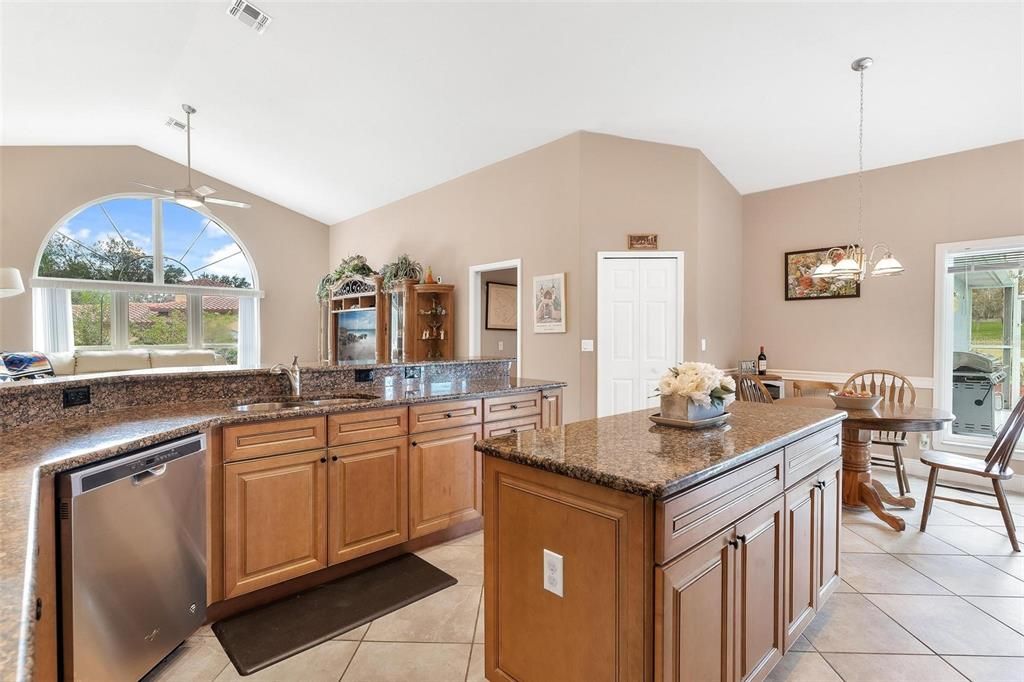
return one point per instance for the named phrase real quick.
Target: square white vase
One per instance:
(681, 407)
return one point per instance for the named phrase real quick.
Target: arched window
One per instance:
(145, 272)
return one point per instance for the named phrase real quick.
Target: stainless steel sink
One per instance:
(271, 407)
(298, 404)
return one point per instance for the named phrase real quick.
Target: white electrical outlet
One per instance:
(553, 572)
(587, 345)
(924, 441)
(501, 345)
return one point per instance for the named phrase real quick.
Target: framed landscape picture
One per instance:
(549, 304)
(501, 306)
(801, 287)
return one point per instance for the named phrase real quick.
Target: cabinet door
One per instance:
(367, 494)
(829, 525)
(275, 519)
(551, 408)
(444, 479)
(695, 600)
(760, 634)
(801, 589)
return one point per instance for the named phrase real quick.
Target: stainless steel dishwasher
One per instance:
(133, 559)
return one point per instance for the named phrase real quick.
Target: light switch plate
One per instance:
(553, 572)
(587, 345)
(501, 345)
(703, 345)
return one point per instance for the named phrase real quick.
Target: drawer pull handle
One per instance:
(734, 544)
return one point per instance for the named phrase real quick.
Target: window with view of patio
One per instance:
(146, 272)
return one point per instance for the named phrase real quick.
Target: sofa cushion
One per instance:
(89, 361)
(62, 363)
(183, 358)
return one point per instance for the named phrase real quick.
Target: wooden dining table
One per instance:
(860, 491)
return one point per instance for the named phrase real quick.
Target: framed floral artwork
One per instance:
(800, 286)
(549, 304)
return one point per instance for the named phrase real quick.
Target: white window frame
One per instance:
(942, 381)
(121, 291)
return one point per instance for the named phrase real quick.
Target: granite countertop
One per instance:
(630, 453)
(29, 452)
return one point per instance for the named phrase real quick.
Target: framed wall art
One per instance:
(549, 304)
(800, 286)
(501, 306)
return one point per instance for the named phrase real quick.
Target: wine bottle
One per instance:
(762, 362)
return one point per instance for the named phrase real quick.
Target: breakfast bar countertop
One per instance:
(28, 453)
(628, 452)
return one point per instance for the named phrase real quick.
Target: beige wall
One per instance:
(970, 195)
(39, 185)
(556, 207)
(489, 338)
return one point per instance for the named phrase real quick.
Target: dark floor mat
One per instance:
(256, 639)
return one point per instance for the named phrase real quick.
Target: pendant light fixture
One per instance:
(852, 262)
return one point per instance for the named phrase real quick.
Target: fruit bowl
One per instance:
(855, 401)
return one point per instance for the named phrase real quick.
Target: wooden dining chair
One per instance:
(750, 389)
(803, 389)
(995, 467)
(895, 389)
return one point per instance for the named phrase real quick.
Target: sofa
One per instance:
(92, 361)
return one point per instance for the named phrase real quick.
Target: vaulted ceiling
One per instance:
(339, 108)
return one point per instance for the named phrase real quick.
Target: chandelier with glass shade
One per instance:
(852, 262)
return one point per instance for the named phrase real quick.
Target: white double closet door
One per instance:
(638, 335)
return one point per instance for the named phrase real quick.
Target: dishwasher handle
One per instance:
(144, 477)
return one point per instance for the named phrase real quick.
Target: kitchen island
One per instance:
(615, 549)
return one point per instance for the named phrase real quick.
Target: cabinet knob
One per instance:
(821, 485)
(734, 544)
(334, 458)
(742, 538)
(514, 406)
(323, 460)
(514, 431)
(447, 415)
(412, 443)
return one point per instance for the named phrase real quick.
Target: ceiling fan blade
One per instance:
(158, 189)
(227, 202)
(204, 190)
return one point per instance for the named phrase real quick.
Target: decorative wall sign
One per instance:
(501, 306)
(549, 304)
(642, 242)
(801, 287)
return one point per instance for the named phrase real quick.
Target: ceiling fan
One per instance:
(190, 196)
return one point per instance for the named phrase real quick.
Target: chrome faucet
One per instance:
(293, 374)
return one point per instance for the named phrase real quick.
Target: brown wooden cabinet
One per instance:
(551, 408)
(277, 437)
(508, 426)
(721, 603)
(510, 406)
(275, 518)
(367, 498)
(813, 524)
(444, 479)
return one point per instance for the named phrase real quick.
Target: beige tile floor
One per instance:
(922, 607)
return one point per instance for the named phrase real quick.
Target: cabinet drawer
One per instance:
(358, 427)
(809, 454)
(688, 518)
(512, 426)
(508, 406)
(276, 437)
(444, 415)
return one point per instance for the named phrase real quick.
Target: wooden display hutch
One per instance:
(422, 321)
(347, 298)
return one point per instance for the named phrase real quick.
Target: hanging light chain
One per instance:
(860, 166)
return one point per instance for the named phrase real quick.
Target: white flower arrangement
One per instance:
(702, 383)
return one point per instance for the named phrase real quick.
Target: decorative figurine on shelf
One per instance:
(429, 279)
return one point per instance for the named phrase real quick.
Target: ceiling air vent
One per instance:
(250, 15)
(174, 124)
